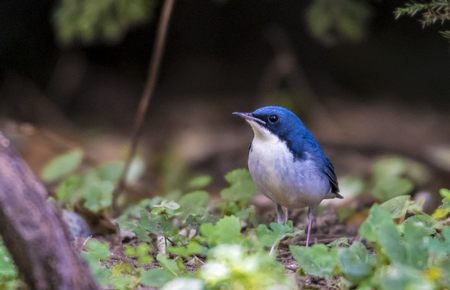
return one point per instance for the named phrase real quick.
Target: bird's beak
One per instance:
(249, 117)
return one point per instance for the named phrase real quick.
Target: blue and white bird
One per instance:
(287, 164)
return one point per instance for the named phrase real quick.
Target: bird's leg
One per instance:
(311, 212)
(282, 214)
(282, 217)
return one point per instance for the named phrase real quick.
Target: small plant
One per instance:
(214, 243)
(410, 255)
(430, 12)
(338, 20)
(9, 278)
(93, 189)
(89, 22)
(141, 253)
(233, 267)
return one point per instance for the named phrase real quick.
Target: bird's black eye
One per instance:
(273, 118)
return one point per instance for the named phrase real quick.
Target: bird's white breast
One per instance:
(290, 182)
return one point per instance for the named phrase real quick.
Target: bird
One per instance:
(287, 164)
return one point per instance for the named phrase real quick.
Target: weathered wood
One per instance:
(32, 230)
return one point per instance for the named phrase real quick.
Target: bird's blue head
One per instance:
(275, 120)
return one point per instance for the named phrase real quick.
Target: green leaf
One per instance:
(200, 181)
(110, 171)
(389, 166)
(445, 193)
(67, 190)
(441, 247)
(421, 222)
(140, 228)
(141, 252)
(355, 262)
(156, 277)
(241, 186)
(446, 235)
(170, 265)
(379, 228)
(390, 187)
(225, 231)
(194, 203)
(331, 20)
(130, 251)
(97, 250)
(167, 205)
(121, 268)
(397, 277)
(430, 224)
(444, 210)
(93, 253)
(394, 176)
(123, 281)
(316, 11)
(7, 269)
(158, 224)
(397, 206)
(373, 224)
(62, 166)
(193, 248)
(269, 236)
(318, 260)
(98, 195)
(108, 21)
(415, 233)
(390, 241)
(102, 275)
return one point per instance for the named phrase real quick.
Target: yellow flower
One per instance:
(440, 213)
(433, 273)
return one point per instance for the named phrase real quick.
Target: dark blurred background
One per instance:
(376, 85)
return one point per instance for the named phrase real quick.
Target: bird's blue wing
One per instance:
(310, 145)
(329, 172)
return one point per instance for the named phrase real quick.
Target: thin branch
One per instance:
(326, 240)
(149, 89)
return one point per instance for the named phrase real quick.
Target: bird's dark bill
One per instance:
(250, 117)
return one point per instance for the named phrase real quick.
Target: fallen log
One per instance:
(33, 232)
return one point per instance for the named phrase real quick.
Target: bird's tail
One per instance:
(334, 194)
